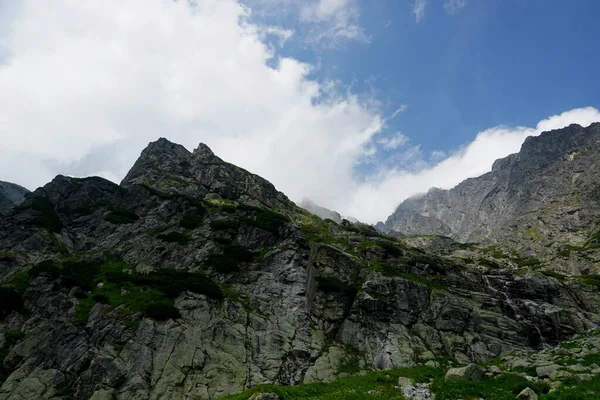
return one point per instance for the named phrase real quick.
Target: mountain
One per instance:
(319, 211)
(543, 201)
(10, 195)
(194, 279)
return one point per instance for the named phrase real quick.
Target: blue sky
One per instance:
(493, 62)
(354, 104)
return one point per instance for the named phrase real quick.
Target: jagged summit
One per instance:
(170, 167)
(544, 197)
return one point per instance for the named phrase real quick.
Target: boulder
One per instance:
(471, 372)
(527, 394)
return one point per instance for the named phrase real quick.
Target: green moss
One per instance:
(553, 274)
(488, 263)
(423, 281)
(527, 262)
(174, 237)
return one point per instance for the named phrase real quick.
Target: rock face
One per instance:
(544, 200)
(319, 211)
(10, 195)
(194, 279)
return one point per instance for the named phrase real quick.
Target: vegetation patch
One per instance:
(119, 217)
(527, 262)
(503, 387)
(489, 263)
(592, 280)
(223, 224)
(174, 237)
(556, 275)
(268, 220)
(11, 338)
(423, 281)
(230, 258)
(45, 215)
(193, 219)
(10, 300)
(375, 385)
(331, 284)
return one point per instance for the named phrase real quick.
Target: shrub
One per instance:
(118, 217)
(331, 284)
(79, 273)
(269, 221)
(174, 237)
(191, 221)
(390, 249)
(223, 224)
(48, 267)
(230, 259)
(10, 300)
(162, 311)
(100, 298)
(45, 216)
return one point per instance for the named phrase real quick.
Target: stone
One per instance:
(527, 394)
(264, 396)
(495, 370)
(471, 372)
(547, 371)
(583, 377)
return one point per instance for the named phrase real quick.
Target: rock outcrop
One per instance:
(544, 201)
(319, 211)
(195, 279)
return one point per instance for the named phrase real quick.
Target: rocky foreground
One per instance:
(195, 279)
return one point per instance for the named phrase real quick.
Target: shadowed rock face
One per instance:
(10, 195)
(195, 278)
(538, 201)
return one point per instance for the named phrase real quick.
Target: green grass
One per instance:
(349, 388)
(503, 387)
(592, 280)
(489, 263)
(527, 262)
(572, 390)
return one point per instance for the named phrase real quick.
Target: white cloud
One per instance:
(333, 21)
(393, 142)
(402, 108)
(88, 84)
(375, 200)
(418, 9)
(454, 6)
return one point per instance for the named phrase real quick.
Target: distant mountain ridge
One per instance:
(539, 200)
(11, 195)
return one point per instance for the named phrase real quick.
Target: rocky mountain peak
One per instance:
(544, 197)
(203, 152)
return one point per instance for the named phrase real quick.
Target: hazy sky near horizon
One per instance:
(355, 104)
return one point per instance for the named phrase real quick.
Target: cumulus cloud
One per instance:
(89, 84)
(86, 85)
(454, 6)
(418, 9)
(377, 198)
(325, 23)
